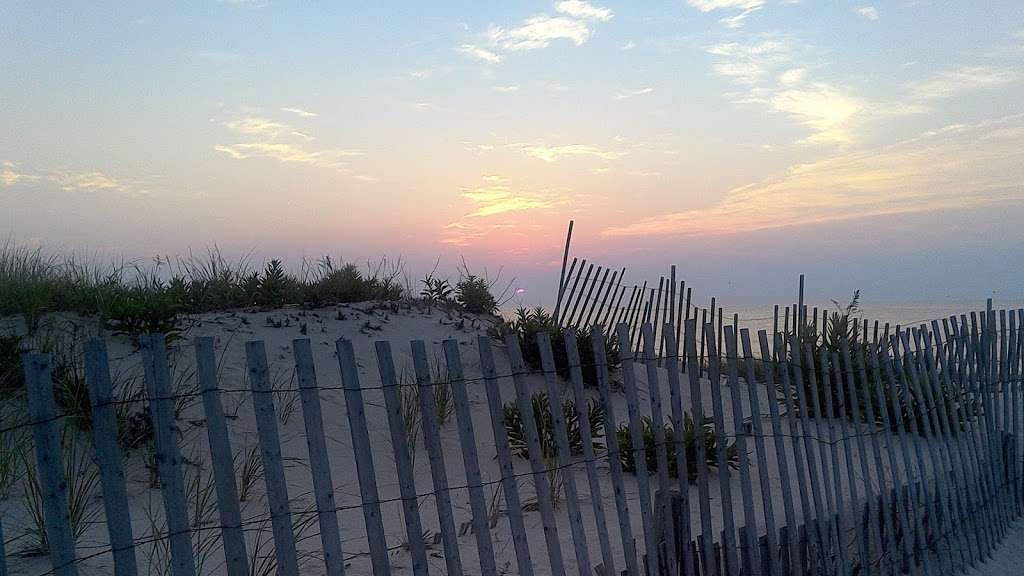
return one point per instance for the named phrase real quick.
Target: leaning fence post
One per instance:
(725, 490)
(682, 466)
(481, 530)
(508, 480)
(749, 529)
(168, 457)
(46, 431)
(438, 470)
(524, 401)
(235, 557)
(108, 456)
(270, 455)
(319, 460)
(662, 505)
(697, 414)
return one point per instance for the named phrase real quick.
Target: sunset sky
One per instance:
(871, 145)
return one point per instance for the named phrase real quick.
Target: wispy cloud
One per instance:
(555, 153)
(964, 79)
(482, 54)
(499, 199)
(826, 110)
(623, 95)
(300, 112)
(496, 207)
(506, 89)
(958, 166)
(9, 175)
(869, 12)
(740, 9)
(583, 10)
(92, 182)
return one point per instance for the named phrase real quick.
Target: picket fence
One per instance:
(959, 428)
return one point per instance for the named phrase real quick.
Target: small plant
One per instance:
(275, 287)
(81, 483)
(142, 309)
(436, 291)
(250, 472)
(689, 442)
(546, 428)
(444, 402)
(474, 295)
(529, 323)
(409, 399)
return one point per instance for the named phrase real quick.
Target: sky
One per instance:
(874, 145)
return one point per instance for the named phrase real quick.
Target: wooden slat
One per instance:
(540, 480)
(629, 551)
(579, 536)
(235, 557)
(729, 543)
(319, 459)
(467, 437)
(270, 456)
(46, 431)
(845, 393)
(508, 479)
(639, 449)
(589, 457)
(682, 466)
(168, 457)
(815, 531)
(749, 531)
(108, 457)
(663, 504)
(403, 459)
(799, 464)
(825, 520)
(697, 412)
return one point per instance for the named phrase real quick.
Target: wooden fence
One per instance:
(876, 456)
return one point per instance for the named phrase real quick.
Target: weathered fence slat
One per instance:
(684, 534)
(524, 401)
(721, 435)
(799, 464)
(46, 431)
(614, 454)
(435, 453)
(579, 536)
(846, 393)
(270, 456)
(589, 457)
(662, 503)
(401, 447)
(168, 458)
(467, 437)
(108, 457)
(639, 450)
(749, 531)
(319, 459)
(235, 557)
(833, 414)
(508, 479)
(708, 561)
(819, 537)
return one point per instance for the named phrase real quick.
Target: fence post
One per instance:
(660, 445)
(561, 435)
(629, 551)
(481, 530)
(270, 455)
(749, 529)
(319, 459)
(235, 557)
(168, 457)
(729, 547)
(108, 457)
(46, 431)
(708, 558)
(524, 401)
(682, 466)
(508, 480)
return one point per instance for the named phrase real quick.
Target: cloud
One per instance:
(964, 79)
(257, 126)
(869, 12)
(300, 112)
(498, 199)
(750, 62)
(505, 89)
(583, 10)
(792, 76)
(91, 182)
(495, 206)
(628, 45)
(9, 177)
(538, 32)
(959, 166)
(289, 153)
(555, 153)
(631, 93)
(482, 54)
(822, 108)
(743, 8)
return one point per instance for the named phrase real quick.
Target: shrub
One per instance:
(274, 287)
(347, 284)
(436, 291)
(474, 295)
(529, 323)
(546, 426)
(142, 309)
(689, 442)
